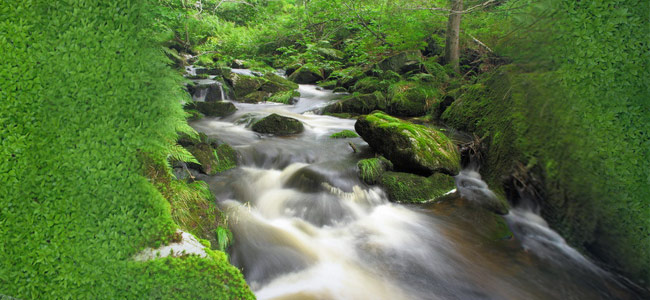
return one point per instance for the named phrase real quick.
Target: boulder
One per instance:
(213, 160)
(255, 97)
(339, 89)
(329, 85)
(358, 103)
(243, 84)
(370, 85)
(403, 62)
(215, 108)
(306, 74)
(347, 77)
(411, 98)
(278, 125)
(411, 188)
(206, 92)
(274, 83)
(411, 148)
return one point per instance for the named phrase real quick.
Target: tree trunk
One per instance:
(452, 53)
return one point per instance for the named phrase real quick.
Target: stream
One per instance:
(306, 227)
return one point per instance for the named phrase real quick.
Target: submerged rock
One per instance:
(411, 188)
(411, 148)
(215, 108)
(278, 125)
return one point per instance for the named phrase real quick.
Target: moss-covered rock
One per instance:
(411, 98)
(370, 85)
(403, 62)
(329, 84)
(411, 188)
(286, 97)
(358, 103)
(274, 83)
(339, 89)
(347, 77)
(278, 125)
(439, 73)
(213, 160)
(344, 134)
(255, 97)
(308, 73)
(243, 84)
(411, 148)
(215, 108)
(371, 169)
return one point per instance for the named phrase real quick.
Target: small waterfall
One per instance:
(223, 95)
(200, 94)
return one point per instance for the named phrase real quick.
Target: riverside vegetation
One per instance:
(554, 92)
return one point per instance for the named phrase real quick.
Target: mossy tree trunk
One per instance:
(452, 53)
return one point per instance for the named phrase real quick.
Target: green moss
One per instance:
(371, 169)
(274, 83)
(410, 188)
(347, 77)
(411, 98)
(226, 158)
(330, 84)
(358, 103)
(370, 85)
(255, 97)
(287, 97)
(344, 134)
(307, 73)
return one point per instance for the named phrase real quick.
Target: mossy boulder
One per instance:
(274, 83)
(347, 77)
(411, 148)
(411, 98)
(255, 97)
(308, 73)
(243, 84)
(278, 125)
(215, 108)
(286, 97)
(344, 134)
(358, 103)
(411, 188)
(213, 160)
(371, 169)
(339, 89)
(401, 63)
(329, 84)
(371, 85)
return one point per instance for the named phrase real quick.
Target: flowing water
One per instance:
(305, 227)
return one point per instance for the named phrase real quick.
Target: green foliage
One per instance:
(84, 88)
(345, 134)
(224, 237)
